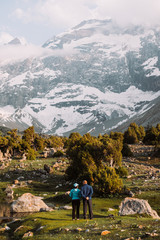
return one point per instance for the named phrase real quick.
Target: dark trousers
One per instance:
(75, 208)
(89, 203)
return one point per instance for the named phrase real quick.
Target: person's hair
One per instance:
(84, 181)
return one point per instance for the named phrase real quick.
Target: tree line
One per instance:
(96, 159)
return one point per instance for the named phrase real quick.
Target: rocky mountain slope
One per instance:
(96, 77)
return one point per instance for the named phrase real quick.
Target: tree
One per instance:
(126, 151)
(151, 136)
(81, 157)
(134, 134)
(54, 142)
(107, 181)
(14, 141)
(31, 154)
(89, 157)
(3, 144)
(130, 136)
(29, 136)
(39, 142)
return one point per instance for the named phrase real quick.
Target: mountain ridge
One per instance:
(97, 76)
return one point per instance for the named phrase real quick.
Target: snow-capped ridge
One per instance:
(91, 78)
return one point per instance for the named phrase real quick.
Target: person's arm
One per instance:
(90, 192)
(71, 193)
(82, 193)
(79, 194)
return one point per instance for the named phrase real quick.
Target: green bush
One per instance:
(59, 153)
(126, 151)
(134, 134)
(122, 171)
(31, 154)
(107, 181)
(152, 136)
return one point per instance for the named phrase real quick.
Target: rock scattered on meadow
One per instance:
(28, 234)
(28, 203)
(131, 206)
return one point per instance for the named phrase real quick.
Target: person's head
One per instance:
(75, 185)
(84, 182)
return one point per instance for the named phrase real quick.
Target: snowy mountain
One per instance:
(95, 77)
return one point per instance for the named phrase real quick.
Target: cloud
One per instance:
(13, 53)
(130, 11)
(5, 38)
(65, 14)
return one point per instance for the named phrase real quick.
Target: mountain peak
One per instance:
(93, 23)
(15, 41)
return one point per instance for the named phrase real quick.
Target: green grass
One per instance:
(53, 225)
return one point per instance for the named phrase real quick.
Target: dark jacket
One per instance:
(86, 191)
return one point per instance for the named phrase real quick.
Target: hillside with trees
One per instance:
(97, 159)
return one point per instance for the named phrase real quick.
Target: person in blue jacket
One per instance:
(86, 192)
(75, 194)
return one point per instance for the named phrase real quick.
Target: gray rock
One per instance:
(131, 206)
(28, 203)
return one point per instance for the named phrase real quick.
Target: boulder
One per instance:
(28, 203)
(131, 206)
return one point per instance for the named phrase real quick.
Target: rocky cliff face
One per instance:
(97, 77)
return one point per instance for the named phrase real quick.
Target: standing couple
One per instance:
(76, 194)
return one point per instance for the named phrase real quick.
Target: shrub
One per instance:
(152, 136)
(134, 134)
(107, 181)
(126, 151)
(130, 136)
(122, 171)
(31, 154)
(59, 153)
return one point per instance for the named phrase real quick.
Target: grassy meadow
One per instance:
(59, 225)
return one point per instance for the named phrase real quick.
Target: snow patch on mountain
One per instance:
(6, 112)
(67, 107)
(150, 67)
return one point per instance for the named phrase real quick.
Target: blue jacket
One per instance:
(86, 191)
(75, 194)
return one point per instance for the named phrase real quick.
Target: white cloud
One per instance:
(5, 38)
(68, 13)
(130, 11)
(12, 53)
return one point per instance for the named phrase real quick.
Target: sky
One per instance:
(39, 20)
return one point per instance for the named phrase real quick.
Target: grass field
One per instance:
(58, 224)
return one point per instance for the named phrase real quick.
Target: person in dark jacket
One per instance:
(75, 194)
(86, 192)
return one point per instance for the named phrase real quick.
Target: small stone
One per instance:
(105, 232)
(78, 229)
(66, 229)
(2, 230)
(16, 182)
(41, 227)
(28, 234)
(140, 227)
(129, 176)
(7, 228)
(111, 209)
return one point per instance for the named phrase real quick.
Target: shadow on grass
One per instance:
(59, 199)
